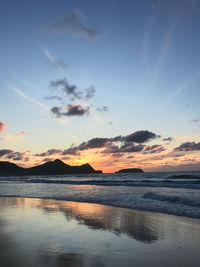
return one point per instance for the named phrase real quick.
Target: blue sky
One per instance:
(142, 58)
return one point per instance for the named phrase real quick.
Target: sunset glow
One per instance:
(106, 83)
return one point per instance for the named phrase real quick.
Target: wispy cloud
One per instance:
(59, 64)
(14, 137)
(169, 35)
(184, 86)
(30, 99)
(72, 23)
(195, 120)
(28, 83)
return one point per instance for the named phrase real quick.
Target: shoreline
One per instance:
(104, 204)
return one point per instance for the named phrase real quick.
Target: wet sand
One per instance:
(41, 232)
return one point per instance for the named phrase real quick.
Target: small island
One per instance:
(130, 170)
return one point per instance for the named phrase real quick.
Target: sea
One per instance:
(176, 193)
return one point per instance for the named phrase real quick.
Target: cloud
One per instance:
(168, 139)
(141, 136)
(104, 108)
(2, 127)
(188, 146)
(16, 156)
(53, 151)
(185, 85)
(89, 92)
(14, 137)
(117, 155)
(126, 141)
(22, 133)
(72, 23)
(63, 87)
(72, 110)
(28, 83)
(56, 63)
(53, 97)
(116, 146)
(13, 155)
(47, 159)
(195, 120)
(127, 147)
(71, 151)
(182, 167)
(49, 152)
(20, 93)
(94, 143)
(4, 152)
(153, 149)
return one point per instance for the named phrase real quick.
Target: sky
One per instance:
(112, 83)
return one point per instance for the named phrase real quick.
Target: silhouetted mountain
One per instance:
(8, 168)
(49, 168)
(131, 170)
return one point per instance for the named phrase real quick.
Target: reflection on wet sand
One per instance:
(59, 233)
(134, 224)
(118, 221)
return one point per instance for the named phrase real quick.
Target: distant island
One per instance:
(55, 167)
(130, 170)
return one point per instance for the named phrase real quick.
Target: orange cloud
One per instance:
(2, 126)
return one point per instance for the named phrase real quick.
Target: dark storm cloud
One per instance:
(4, 152)
(63, 87)
(141, 136)
(72, 110)
(188, 146)
(104, 108)
(168, 139)
(72, 23)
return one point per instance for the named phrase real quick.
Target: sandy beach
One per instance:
(41, 232)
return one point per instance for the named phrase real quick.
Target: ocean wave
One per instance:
(184, 176)
(173, 183)
(172, 199)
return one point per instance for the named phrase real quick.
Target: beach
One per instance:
(44, 232)
(170, 193)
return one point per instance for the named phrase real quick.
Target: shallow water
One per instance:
(41, 232)
(171, 193)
